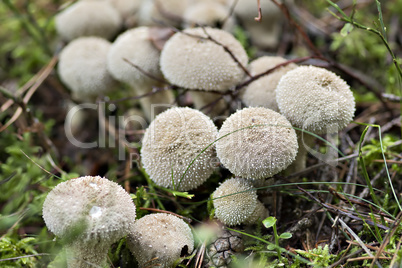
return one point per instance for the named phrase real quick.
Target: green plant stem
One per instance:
(151, 187)
(277, 241)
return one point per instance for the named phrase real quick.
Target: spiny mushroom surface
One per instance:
(191, 61)
(261, 92)
(256, 143)
(90, 213)
(88, 18)
(160, 239)
(234, 201)
(315, 99)
(172, 141)
(82, 67)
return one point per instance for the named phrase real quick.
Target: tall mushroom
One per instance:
(256, 143)
(175, 150)
(316, 100)
(89, 214)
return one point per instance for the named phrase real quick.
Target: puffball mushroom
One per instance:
(90, 214)
(160, 239)
(136, 46)
(82, 67)
(316, 100)
(172, 141)
(256, 143)
(234, 201)
(191, 61)
(261, 92)
(88, 18)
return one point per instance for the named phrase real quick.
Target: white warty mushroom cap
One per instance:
(261, 92)
(101, 207)
(88, 18)
(162, 236)
(315, 99)
(134, 45)
(234, 201)
(82, 67)
(194, 62)
(256, 152)
(172, 141)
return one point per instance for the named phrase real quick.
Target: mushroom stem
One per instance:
(86, 255)
(202, 99)
(305, 142)
(156, 103)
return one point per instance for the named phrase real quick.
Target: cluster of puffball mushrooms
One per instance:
(182, 146)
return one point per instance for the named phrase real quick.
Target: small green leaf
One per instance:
(271, 247)
(269, 222)
(285, 235)
(347, 29)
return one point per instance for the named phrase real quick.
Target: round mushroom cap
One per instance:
(315, 99)
(170, 144)
(191, 61)
(256, 143)
(135, 46)
(99, 208)
(160, 239)
(234, 201)
(261, 92)
(82, 67)
(88, 18)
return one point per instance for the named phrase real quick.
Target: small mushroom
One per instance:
(89, 214)
(160, 239)
(256, 143)
(234, 201)
(135, 46)
(261, 92)
(316, 100)
(172, 141)
(88, 18)
(191, 61)
(82, 67)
